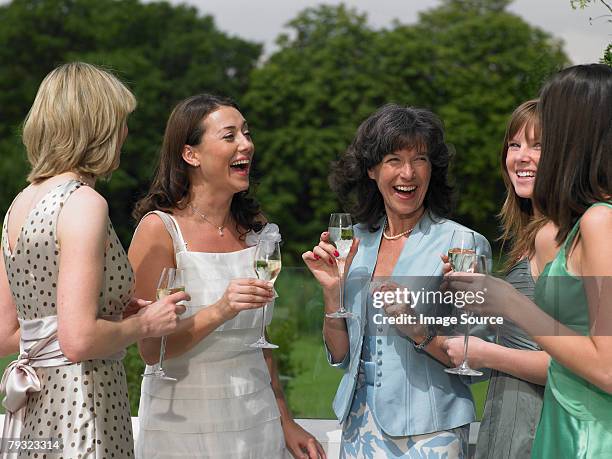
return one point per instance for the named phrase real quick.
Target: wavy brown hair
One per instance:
(171, 182)
(576, 160)
(519, 225)
(391, 128)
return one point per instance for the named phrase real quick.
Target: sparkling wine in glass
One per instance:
(462, 251)
(341, 235)
(462, 257)
(267, 266)
(171, 281)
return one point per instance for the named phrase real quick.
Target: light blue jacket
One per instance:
(412, 393)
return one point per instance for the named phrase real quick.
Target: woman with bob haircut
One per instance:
(573, 322)
(198, 216)
(65, 281)
(516, 386)
(394, 400)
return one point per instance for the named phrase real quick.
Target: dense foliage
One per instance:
(163, 52)
(470, 61)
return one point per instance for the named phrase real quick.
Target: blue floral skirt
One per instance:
(362, 438)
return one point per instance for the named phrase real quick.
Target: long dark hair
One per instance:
(575, 167)
(519, 224)
(171, 182)
(391, 128)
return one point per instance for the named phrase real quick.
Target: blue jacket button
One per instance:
(378, 384)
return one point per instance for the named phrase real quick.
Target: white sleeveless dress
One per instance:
(222, 405)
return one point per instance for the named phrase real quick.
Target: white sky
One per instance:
(263, 20)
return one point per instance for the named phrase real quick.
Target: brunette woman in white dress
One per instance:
(198, 215)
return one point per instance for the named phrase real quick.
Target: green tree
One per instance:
(483, 62)
(471, 61)
(163, 52)
(304, 105)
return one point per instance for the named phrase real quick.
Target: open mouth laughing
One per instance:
(241, 166)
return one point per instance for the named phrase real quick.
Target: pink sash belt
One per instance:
(39, 347)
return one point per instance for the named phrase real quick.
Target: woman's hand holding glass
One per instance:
(267, 264)
(171, 282)
(500, 298)
(462, 257)
(161, 317)
(322, 263)
(455, 349)
(244, 294)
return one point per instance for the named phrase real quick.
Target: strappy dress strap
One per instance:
(173, 229)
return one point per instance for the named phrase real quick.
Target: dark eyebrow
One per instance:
(232, 127)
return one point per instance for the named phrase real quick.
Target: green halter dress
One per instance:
(576, 419)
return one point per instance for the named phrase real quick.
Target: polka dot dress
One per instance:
(84, 404)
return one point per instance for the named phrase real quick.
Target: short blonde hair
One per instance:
(77, 122)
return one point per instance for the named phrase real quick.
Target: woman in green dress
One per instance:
(573, 322)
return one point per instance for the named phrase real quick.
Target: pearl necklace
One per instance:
(397, 236)
(197, 211)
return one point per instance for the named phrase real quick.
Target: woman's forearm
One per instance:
(189, 332)
(277, 387)
(531, 366)
(587, 356)
(335, 332)
(10, 344)
(100, 338)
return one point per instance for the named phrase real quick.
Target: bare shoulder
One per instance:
(86, 201)
(594, 245)
(595, 228)
(597, 220)
(150, 237)
(85, 208)
(151, 249)
(152, 228)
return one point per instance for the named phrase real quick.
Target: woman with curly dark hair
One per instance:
(395, 399)
(198, 216)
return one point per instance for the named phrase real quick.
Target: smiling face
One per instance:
(522, 160)
(225, 152)
(403, 178)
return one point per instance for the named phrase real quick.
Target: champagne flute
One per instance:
(171, 281)
(480, 264)
(462, 251)
(341, 235)
(267, 267)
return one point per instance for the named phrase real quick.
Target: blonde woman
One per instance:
(65, 281)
